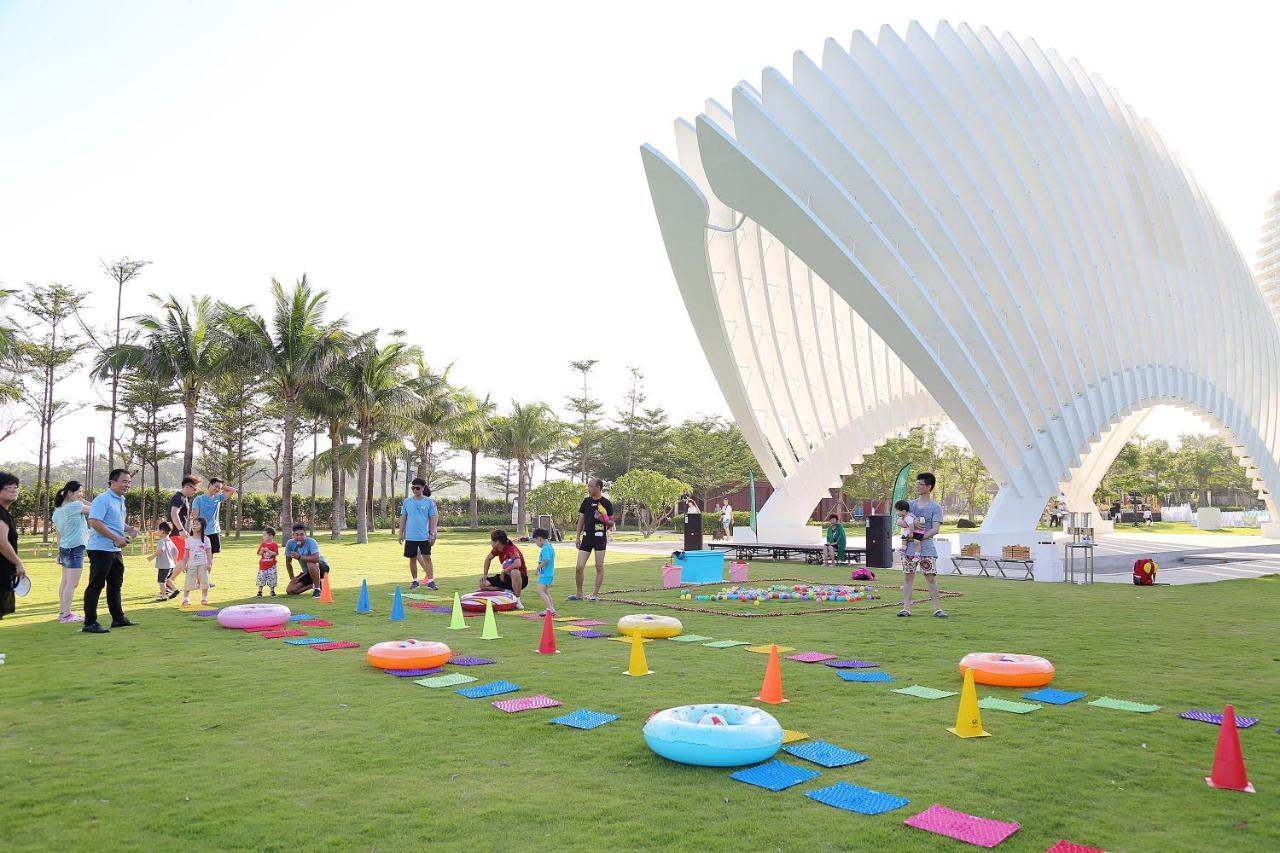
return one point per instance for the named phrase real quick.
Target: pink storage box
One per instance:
(738, 571)
(670, 576)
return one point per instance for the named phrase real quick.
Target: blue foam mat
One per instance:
(1053, 696)
(301, 616)
(493, 688)
(826, 754)
(584, 719)
(855, 798)
(775, 775)
(863, 676)
(308, 641)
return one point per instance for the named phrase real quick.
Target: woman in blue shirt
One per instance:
(73, 529)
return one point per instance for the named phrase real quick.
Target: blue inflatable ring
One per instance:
(746, 736)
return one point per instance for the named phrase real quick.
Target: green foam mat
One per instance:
(924, 692)
(991, 703)
(450, 680)
(1123, 705)
(689, 638)
(726, 644)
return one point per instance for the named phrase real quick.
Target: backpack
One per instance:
(1144, 572)
(862, 575)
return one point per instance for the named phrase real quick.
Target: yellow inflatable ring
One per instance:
(1006, 670)
(649, 626)
(408, 654)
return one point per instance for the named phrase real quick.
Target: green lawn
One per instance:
(180, 734)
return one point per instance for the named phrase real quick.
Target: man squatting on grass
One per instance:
(514, 575)
(928, 521)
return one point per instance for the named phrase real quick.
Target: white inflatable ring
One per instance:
(254, 616)
(739, 735)
(649, 626)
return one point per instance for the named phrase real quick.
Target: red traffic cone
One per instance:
(1228, 762)
(548, 644)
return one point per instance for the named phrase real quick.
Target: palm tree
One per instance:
(181, 347)
(436, 415)
(522, 435)
(327, 401)
(292, 352)
(377, 392)
(473, 433)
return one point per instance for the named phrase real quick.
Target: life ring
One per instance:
(649, 626)
(408, 654)
(1006, 670)
(254, 616)
(714, 735)
(473, 602)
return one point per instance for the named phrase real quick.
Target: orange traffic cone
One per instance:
(1228, 762)
(326, 594)
(548, 644)
(771, 690)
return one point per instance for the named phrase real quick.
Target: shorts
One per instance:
(924, 565)
(71, 558)
(594, 543)
(181, 545)
(545, 578)
(267, 577)
(305, 576)
(502, 580)
(414, 547)
(215, 543)
(162, 575)
(197, 576)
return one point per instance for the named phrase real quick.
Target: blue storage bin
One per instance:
(701, 566)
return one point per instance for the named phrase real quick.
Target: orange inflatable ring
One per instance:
(1006, 670)
(408, 654)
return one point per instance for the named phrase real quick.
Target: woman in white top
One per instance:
(70, 519)
(726, 519)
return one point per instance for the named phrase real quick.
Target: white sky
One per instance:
(470, 172)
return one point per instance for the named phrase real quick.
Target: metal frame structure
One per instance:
(963, 226)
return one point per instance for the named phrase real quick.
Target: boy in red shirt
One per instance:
(268, 552)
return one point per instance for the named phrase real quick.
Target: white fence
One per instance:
(1248, 518)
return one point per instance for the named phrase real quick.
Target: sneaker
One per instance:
(941, 614)
(212, 584)
(66, 619)
(122, 623)
(414, 585)
(74, 617)
(519, 604)
(161, 598)
(273, 593)
(431, 584)
(204, 602)
(94, 628)
(259, 593)
(904, 612)
(173, 595)
(593, 598)
(315, 593)
(573, 598)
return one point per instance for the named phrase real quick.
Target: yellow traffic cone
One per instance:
(969, 717)
(639, 665)
(490, 629)
(457, 621)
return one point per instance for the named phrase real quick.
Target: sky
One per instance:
(470, 173)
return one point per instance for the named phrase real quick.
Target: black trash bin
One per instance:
(879, 542)
(693, 531)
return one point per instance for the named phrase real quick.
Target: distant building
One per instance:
(1268, 269)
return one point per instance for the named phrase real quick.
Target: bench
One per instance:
(984, 565)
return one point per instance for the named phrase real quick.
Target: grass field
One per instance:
(178, 733)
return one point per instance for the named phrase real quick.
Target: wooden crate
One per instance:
(1015, 552)
(973, 549)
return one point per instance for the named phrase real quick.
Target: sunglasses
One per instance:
(417, 488)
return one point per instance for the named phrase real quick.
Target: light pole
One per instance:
(88, 466)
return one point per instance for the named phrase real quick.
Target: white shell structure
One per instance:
(963, 226)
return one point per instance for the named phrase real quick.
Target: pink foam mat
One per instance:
(1064, 846)
(528, 703)
(811, 657)
(979, 831)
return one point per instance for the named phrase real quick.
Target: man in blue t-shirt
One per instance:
(418, 520)
(306, 551)
(111, 532)
(928, 521)
(207, 506)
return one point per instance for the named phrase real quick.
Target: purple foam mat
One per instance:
(811, 657)
(1216, 719)
(850, 664)
(588, 634)
(413, 673)
(206, 613)
(463, 660)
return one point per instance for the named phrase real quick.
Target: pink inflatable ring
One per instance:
(254, 616)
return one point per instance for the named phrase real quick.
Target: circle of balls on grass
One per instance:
(781, 592)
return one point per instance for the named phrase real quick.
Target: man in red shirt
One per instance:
(514, 575)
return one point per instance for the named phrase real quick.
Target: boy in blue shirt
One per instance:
(546, 568)
(418, 520)
(206, 506)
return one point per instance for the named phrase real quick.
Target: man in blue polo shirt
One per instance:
(418, 520)
(306, 551)
(106, 563)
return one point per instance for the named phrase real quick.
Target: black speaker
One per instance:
(879, 542)
(693, 531)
